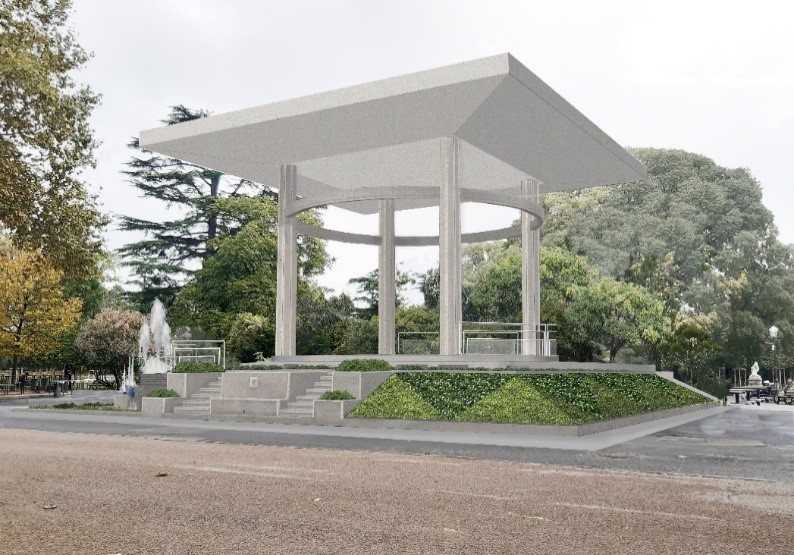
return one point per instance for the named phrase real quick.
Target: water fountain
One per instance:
(155, 342)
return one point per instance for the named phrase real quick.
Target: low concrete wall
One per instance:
(188, 383)
(286, 385)
(333, 412)
(158, 406)
(265, 385)
(359, 384)
(248, 406)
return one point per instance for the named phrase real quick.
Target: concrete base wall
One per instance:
(333, 412)
(158, 406)
(249, 407)
(285, 385)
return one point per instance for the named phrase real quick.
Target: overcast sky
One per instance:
(716, 78)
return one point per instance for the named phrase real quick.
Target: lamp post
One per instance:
(773, 333)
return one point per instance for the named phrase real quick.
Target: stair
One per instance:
(303, 405)
(198, 404)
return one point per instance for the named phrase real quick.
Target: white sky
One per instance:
(716, 78)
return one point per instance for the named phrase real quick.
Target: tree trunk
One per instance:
(14, 362)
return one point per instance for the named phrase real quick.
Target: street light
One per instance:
(773, 332)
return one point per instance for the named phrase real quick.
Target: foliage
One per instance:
(33, 311)
(395, 399)
(109, 339)
(336, 395)
(537, 398)
(516, 402)
(251, 334)
(616, 314)
(368, 291)
(161, 262)
(193, 366)
(695, 234)
(45, 137)
(241, 274)
(363, 365)
(163, 393)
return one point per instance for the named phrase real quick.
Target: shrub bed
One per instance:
(336, 395)
(363, 365)
(163, 393)
(189, 366)
(560, 399)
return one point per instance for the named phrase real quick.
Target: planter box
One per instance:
(158, 406)
(330, 412)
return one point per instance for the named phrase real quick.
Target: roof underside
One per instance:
(510, 123)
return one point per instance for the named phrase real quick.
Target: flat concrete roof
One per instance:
(384, 134)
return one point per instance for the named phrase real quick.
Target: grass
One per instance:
(83, 406)
(556, 399)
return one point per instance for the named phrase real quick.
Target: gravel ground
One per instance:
(148, 495)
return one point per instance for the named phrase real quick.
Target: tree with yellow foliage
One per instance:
(33, 310)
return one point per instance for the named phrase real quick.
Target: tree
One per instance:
(240, 276)
(369, 290)
(616, 314)
(33, 310)
(689, 350)
(695, 234)
(251, 334)
(45, 137)
(108, 340)
(165, 258)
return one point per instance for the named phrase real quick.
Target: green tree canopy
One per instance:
(45, 137)
(240, 276)
(34, 313)
(165, 259)
(109, 339)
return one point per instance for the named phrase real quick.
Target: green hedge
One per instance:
(560, 399)
(190, 366)
(363, 365)
(336, 395)
(163, 393)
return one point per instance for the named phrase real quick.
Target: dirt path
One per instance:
(131, 495)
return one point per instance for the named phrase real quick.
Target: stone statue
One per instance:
(754, 378)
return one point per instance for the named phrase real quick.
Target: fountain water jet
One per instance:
(155, 342)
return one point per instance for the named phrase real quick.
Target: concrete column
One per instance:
(387, 301)
(449, 252)
(287, 264)
(530, 271)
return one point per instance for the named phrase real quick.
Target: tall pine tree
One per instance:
(163, 261)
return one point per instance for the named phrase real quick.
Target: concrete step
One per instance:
(191, 410)
(318, 390)
(301, 403)
(307, 397)
(196, 403)
(299, 412)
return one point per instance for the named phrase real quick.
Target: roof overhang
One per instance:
(511, 125)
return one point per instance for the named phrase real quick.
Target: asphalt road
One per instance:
(755, 443)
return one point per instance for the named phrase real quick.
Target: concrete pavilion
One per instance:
(487, 131)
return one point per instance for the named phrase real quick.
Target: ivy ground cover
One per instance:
(558, 399)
